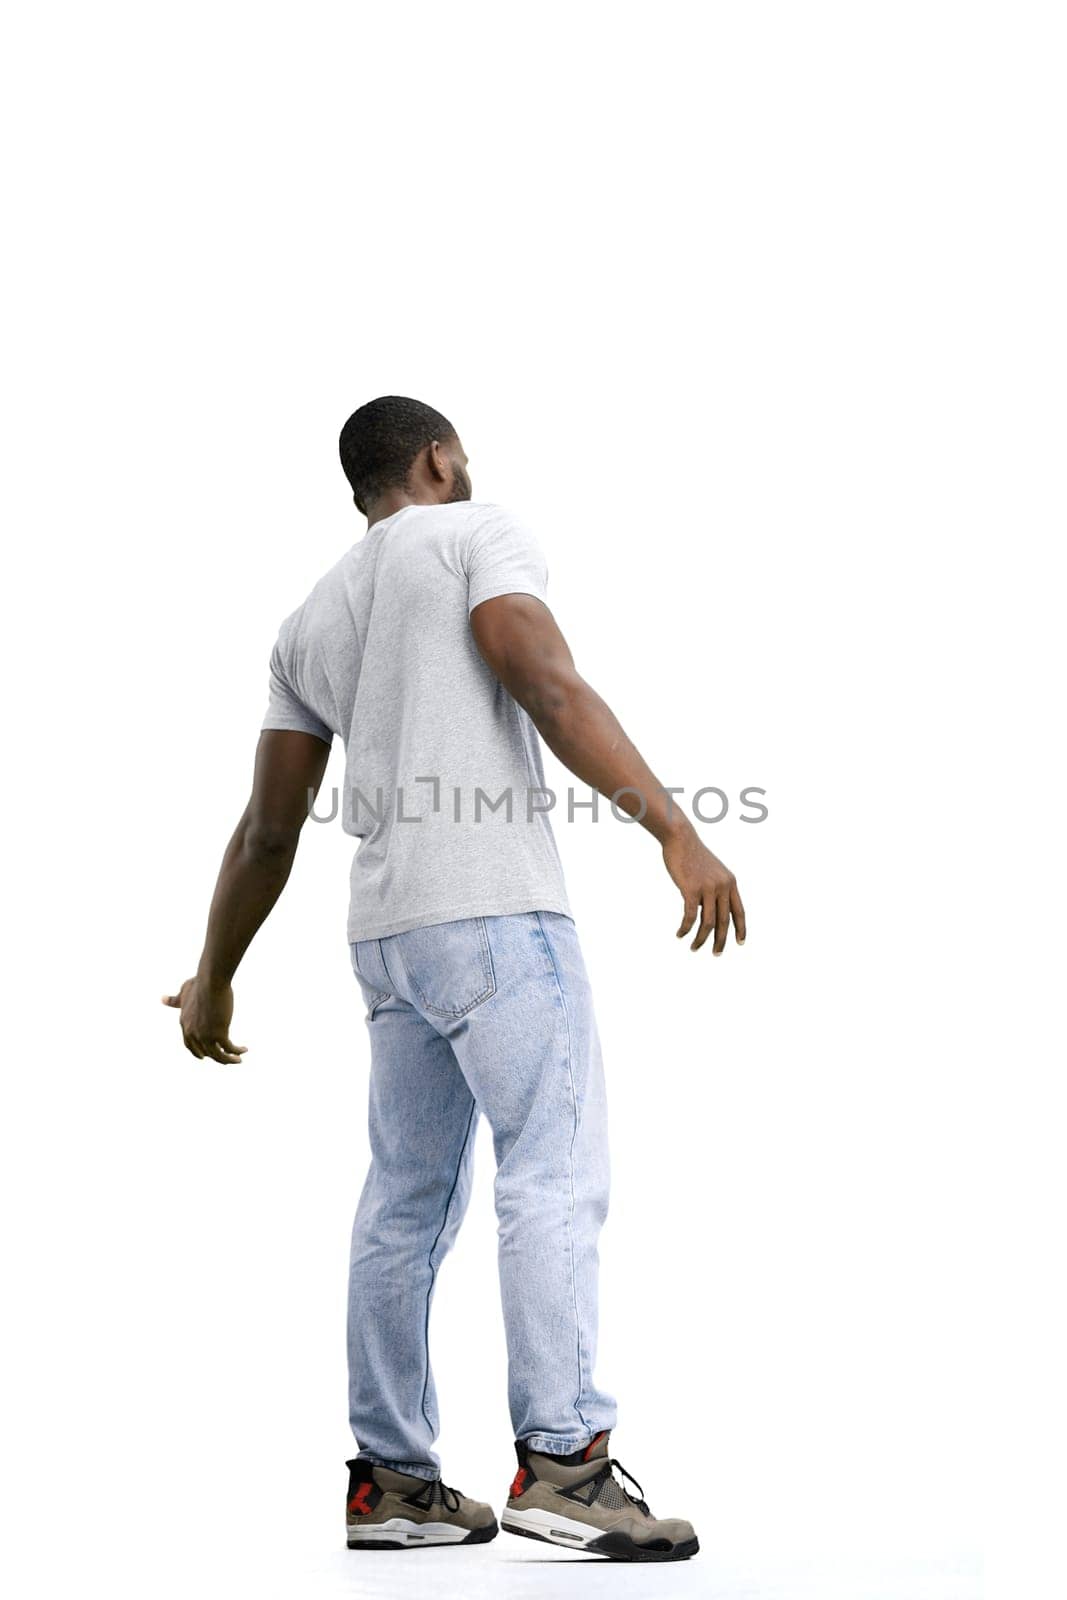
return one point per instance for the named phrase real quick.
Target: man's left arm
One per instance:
(289, 769)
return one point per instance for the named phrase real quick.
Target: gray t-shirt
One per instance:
(443, 781)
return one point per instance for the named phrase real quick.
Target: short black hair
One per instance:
(380, 441)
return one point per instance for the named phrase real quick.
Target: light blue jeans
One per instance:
(493, 1015)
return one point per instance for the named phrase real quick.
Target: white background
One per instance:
(756, 313)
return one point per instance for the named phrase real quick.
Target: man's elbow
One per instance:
(269, 844)
(552, 702)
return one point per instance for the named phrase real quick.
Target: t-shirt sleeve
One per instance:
(505, 558)
(285, 709)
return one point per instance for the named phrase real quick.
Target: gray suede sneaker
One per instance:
(577, 1501)
(392, 1511)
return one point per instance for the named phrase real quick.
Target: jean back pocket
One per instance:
(449, 966)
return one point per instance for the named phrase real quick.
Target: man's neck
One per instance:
(394, 500)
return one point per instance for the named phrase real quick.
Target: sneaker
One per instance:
(577, 1501)
(391, 1511)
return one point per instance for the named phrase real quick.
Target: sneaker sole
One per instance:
(572, 1535)
(398, 1533)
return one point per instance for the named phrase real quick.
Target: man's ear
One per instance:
(438, 463)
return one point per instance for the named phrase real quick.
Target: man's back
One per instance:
(381, 654)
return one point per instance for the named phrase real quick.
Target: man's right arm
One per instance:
(520, 641)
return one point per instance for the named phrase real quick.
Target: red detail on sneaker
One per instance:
(518, 1481)
(358, 1501)
(592, 1445)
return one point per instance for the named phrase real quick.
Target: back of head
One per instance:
(380, 442)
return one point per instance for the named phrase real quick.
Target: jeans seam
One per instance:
(432, 1266)
(378, 996)
(574, 1136)
(385, 969)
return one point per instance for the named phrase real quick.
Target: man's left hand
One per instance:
(206, 1012)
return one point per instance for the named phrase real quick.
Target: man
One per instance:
(429, 650)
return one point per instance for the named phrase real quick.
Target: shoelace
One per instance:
(436, 1490)
(449, 1497)
(638, 1499)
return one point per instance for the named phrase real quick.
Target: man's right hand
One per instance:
(708, 887)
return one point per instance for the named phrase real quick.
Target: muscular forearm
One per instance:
(586, 735)
(253, 874)
(257, 863)
(520, 642)
(583, 731)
